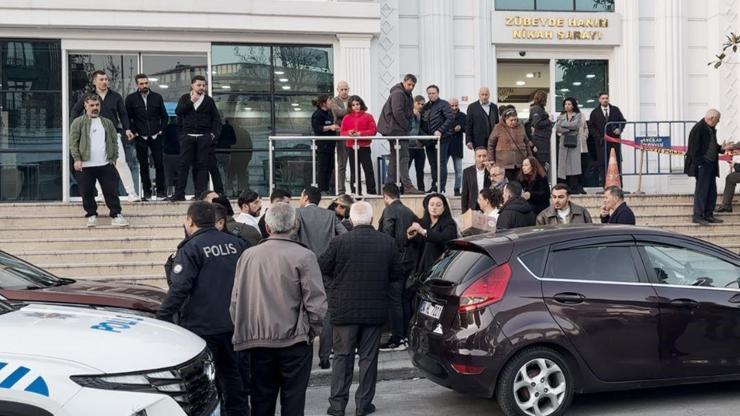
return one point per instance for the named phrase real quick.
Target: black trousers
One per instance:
(218, 184)
(324, 168)
(366, 339)
(705, 192)
(366, 162)
(193, 153)
(231, 386)
(280, 371)
(400, 309)
(143, 147)
(107, 175)
(418, 158)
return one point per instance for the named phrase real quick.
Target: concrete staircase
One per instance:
(54, 236)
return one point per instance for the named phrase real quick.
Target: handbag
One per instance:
(570, 139)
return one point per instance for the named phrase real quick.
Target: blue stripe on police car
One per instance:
(38, 385)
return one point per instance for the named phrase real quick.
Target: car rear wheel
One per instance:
(536, 382)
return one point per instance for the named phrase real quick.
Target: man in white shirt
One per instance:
(93, 143)
(475, 178)
(250, 205)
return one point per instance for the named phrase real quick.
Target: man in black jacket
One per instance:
(702, 162)
(615, 210)
(455, 150)
(358, 268)
(475, 178)
(199, 125)
(202, 280)
(597, 126)
(394, 221)
(149, 118)
(436, 120)
(516, 211)
(394, 120)
(482, 118)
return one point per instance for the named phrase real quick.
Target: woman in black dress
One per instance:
(433, 232)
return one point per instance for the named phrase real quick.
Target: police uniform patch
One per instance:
(177, 269)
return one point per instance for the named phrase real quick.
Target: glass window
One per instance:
(685, 267)
(303, 69)
(535, 261)
(514, 4)
(16, 274)
(554, 5)
(170, 75)
(595, 263)
(595, 5)
(241, 68)
(30, 120)
(460, 266)
(582, 80)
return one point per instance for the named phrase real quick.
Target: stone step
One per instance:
(96, 255)
(97, 270)
(13, 245)
(67, 220)
(692, 229)
(100, 232)
(724, 240)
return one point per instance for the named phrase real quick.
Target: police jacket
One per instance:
(201, 281)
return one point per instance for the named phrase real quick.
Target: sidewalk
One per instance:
(392, 365)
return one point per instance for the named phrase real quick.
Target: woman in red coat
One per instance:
(359, 123)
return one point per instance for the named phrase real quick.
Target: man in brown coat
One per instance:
(278, 305)
(561, 210)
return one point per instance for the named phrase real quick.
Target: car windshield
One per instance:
(5, 307)
(16, 274)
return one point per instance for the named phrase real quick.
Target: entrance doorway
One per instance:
(169, 75)
(518, 80)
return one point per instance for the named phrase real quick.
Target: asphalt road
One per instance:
(422, 397)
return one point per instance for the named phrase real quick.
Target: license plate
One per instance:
(430, 309)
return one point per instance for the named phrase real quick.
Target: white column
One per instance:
(670, 47)
(354, 65)
(436, 45)
(625, 85)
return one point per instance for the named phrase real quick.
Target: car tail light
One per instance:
(467, 369)
(486, 290)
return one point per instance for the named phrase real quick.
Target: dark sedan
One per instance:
(534, 315)
(21, 282)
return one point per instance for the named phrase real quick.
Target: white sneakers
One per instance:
(133, 198)
(92, 221)
(119, 221)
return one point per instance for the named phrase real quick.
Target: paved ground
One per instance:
(422, 397)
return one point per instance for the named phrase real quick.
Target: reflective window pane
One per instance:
(121, 70)
(30, 65)
(582, 80)
(30, 146)
(303, 69)
(514, 4)
(595, 5)
(241, 68)
(170, 75)
(554, 5)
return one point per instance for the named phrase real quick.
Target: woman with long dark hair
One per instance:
(535, 188)
(323, 124)
(539, 127)
(573, 134)
(358, 122)
(433, 232)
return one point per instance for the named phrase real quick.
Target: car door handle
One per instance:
(688, 303)
(735, 299)
(569, 298)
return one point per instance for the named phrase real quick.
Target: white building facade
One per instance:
(266, 61)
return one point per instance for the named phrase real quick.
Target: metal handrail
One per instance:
(355, 147)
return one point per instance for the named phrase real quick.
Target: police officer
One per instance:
(200, 292)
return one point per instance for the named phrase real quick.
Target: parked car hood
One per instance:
(90, 292)
(109, 342)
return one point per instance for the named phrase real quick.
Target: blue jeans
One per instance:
(457, 165)
(432, 157)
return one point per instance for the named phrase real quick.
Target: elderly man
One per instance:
(339, 107)
(358, 267)
(475, 178)
(615, 210)
(278, 305)
(482, 118)
(456, 142)
(702, 162)
(562, 210)
(498, 176)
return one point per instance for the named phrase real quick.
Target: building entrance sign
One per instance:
(556, 28)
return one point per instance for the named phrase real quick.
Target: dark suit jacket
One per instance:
(469, 196)
(622, 215)
(478, 125)
(597, 123)
(701, 137)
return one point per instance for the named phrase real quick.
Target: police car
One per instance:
(65, 361)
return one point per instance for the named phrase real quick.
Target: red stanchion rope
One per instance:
(673, 150)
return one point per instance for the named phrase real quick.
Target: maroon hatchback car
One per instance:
(22, 282)
(532, 316)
